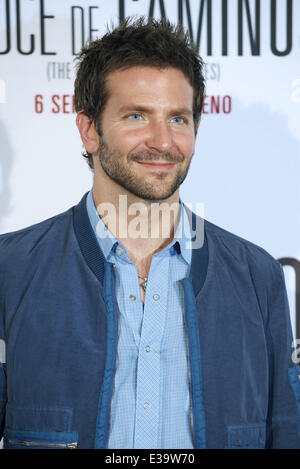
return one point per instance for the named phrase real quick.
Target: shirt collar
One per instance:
(109, 243)
(182, 235)
(104, 237)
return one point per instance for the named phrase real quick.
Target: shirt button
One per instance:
(147, 406)
(156, 297)
(148, 348)
(132, 297)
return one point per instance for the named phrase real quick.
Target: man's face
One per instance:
(147, 131)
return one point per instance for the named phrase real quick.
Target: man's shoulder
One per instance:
(236, 249)
(225, 243)
(21, 242)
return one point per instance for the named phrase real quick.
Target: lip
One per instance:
(156, 165)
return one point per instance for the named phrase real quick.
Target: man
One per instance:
(177, 339)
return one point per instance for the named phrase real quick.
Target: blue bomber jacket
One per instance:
(59, 324)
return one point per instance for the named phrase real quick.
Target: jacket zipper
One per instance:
(40, 443)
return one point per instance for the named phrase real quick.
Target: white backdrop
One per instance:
(247, 162)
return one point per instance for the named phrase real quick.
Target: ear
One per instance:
(88, 133)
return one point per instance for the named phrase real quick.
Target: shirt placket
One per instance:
(131, 312)
(147, 421)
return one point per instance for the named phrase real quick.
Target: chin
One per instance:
(156, 196)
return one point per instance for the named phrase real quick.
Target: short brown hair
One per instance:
(134, 42)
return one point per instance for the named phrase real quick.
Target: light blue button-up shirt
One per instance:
(151, 405)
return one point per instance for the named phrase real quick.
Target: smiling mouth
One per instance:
(156, 165)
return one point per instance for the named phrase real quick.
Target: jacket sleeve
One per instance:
(284, 383)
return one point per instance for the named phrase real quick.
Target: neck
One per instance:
(144, 227)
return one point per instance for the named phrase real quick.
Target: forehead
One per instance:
(150, 84)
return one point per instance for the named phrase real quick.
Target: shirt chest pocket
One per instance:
(39, 428)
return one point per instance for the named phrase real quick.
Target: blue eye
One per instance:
(135, 116)
(178, 120)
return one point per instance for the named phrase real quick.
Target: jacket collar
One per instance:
(95, 258)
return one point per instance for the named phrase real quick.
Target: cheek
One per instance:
(185, 143)
(132, 142)
(125, 141)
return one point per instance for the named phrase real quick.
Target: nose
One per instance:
(159, 137)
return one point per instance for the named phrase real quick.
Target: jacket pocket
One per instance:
(248, 436)
(39, 418)
(25, 439)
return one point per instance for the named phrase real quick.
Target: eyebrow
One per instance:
(174, 112)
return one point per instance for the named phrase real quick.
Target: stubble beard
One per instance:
(113, 165)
